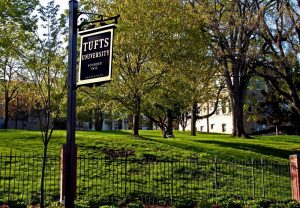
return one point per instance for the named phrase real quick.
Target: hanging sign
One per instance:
(96, 55)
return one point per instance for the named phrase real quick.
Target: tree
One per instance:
(16, 22)
(9, 69)
(232, 26)
(23, 105)
(92, 103)
(141, 44)
(45, 60)
(163, 105)
(280, 36)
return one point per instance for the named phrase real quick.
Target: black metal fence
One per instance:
(155, 180)
(152, 180)
(20, 177)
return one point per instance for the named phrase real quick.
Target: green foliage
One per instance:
(260, 203)
(185, 203)
(55, 205)
(17, 204)
(278, 205)
(136, 204)
(293, 204)
(108, 206)
(82, 203)
(228, 203)
(205, 204)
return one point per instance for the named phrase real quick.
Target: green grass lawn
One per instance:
(272, 148)
(196, 173)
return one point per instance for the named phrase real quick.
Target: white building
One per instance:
(221, 121)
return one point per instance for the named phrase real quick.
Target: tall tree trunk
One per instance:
(42, 179)
(237, 91)
(98, 120)
(136, 118)
(170, 123)
(163, 133)
(135, 124)
(6, 108)
(277, 131)
(207, 119)
(193, 119)
(240, 121)
(233, 115)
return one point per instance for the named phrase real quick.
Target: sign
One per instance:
(96, 55)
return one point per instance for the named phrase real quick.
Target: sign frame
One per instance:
(90, 33)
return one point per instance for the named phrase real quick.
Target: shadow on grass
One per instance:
(117, 132)
(180, 145)
(269, 151)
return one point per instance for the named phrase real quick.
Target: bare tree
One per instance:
(46, 76)
(280, 34)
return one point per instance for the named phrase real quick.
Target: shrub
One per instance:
(229, 203)
(293, 204)
(204, 204)
(81, 203)
(278, 205)
(185, 203)
(108, 206)
(102, 201)
(137, 204)
(17, 204)
(56, 205)
(260, 203)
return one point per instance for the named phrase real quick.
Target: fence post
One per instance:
(125, 172)
(262, 178)
(295, 176)
(253, 179)
(172, 180)
(9, 177)
(216, 177)
(63, 172)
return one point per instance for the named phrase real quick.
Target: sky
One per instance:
(64, 4)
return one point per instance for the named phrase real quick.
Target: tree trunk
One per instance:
(135, 124)
(98, 120)
(233, 115)
(169, 132)
(163, 133)
(136, 118)
(277, 131)
(193, 119)
(42, 182)
(6, 105)
(207, 119)
(240, 121)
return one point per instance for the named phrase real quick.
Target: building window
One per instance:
(224, 104)
(202, 128)
(212, 126)
(223, 127)
(218, 111)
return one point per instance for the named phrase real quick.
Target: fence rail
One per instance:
(152, 180)
(20, 177)
(165, 180)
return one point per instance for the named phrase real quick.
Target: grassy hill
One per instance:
(273, 148)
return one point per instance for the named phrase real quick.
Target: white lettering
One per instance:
(106, 42)
(84, 44)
